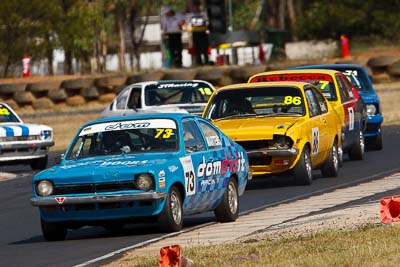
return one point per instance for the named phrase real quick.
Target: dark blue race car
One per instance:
(362, 82)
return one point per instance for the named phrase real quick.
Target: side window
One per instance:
(192, 137)
(312, 102)
(347, 85)
(321, 101)
(135, 99)
(212, 137)
(122, 98)
(342, 90)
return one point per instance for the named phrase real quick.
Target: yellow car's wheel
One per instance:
(358, 150)
(331, 166)
(303, 169)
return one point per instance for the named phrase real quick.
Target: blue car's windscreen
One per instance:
(357, 78)
(177, 93)
(125, 137)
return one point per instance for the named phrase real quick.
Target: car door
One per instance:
(350, 109)
(196, 164)
(320, 140)
(219, 177)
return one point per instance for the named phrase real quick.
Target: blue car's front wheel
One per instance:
(171, 217)
(53, 231)
(375, 143)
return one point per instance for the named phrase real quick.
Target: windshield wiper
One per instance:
(236, 116)
(279, 114)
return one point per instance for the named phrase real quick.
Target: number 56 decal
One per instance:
(190, 181)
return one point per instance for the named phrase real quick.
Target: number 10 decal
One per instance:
(351, 118)
(190, 181)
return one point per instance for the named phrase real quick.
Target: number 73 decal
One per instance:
(190, 181)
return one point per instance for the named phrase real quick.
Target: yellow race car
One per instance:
(343, 96)
(283, 126)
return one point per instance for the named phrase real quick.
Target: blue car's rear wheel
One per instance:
(228, 209)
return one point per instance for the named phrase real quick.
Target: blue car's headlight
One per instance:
(46, 134)
(44, 188)
(144, 181)
(371, 109)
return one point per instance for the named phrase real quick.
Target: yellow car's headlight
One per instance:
(280, 142)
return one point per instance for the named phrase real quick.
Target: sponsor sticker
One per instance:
(60, 200)
(296, 77)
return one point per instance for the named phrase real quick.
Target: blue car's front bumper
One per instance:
(373, 126)
(99, 207)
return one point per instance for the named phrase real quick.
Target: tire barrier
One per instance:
(390, 209)
(76, 91)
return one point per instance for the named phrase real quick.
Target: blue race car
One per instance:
(123, 169)
(362, 82)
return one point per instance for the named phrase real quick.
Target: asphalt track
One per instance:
(21, 242)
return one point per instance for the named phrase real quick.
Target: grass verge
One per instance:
(370, 245)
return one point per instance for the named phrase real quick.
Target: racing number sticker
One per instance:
(4, 111)
(190, 181)
(205, 91)
(164, 133)
(323, 84)
(289, 100)
(351, 118)
(315, 141)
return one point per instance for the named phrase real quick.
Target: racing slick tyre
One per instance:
(114, 227)
(228, 209)
(340, 154)
(53, 231)
(303, 170)
(171, 217)
(375, 143)
(357, 152)
(331, 167)
(39, 164)
(42, 103)
(74, 84)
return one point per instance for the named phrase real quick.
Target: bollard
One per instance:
(345, 46)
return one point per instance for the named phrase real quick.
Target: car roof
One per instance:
(330, 66)
(174, 116)
(289, 71)
(168, 81)
(261, 84)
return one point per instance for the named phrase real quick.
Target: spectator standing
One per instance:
(198, 27)
(172, 30)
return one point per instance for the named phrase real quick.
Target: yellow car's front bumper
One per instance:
(264, 161)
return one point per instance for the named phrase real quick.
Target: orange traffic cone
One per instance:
(390, 209)
(170, 256)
